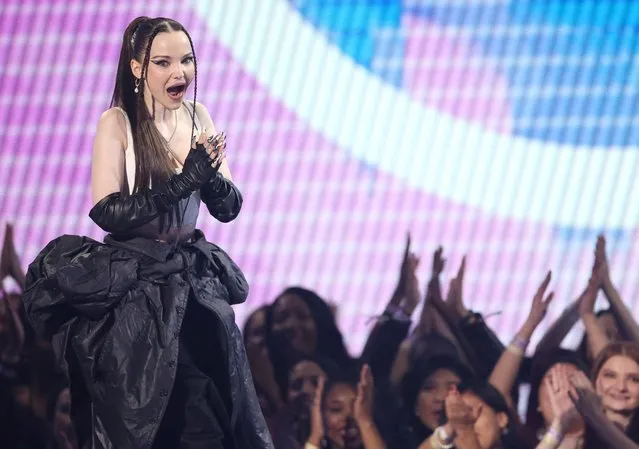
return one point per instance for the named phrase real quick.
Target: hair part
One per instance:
(621, 348)
(153, 162)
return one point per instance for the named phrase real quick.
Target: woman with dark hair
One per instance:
(303, 321)
(540, 414)
(342, 414)
(143, 321)
(300, 323)
(300, 390)
(477, 417)
(254, 330)
(424, 389)
(609, 407)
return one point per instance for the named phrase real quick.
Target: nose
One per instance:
(440, 394)
(178, 74)
(622, 384)
(290, 325)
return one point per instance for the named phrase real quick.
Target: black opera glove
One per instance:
(117, 213)
(222, 198)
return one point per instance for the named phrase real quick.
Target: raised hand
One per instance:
(455, 297)
(438, 262)
(583, 396)
(215, 147)
(540, 303)
(363, 410)
(407, 291)
(600, 268)
(589, 297)
(9, 260)
(412, 295)
(317, 423)
(459, 414)
(579, 380)
(564, 411)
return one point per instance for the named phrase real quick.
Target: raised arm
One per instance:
(431, 320)
(363, 412)
(556, 333)
(589, 405)
(384, 340)
(505, 372)
(597, 339)
(9, 259)
(566, 427)
(629, 326)
(451, 313)
(458, 431)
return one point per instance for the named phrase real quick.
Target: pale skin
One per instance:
(505, 371)
(170, 63)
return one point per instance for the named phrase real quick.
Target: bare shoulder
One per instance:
(112, 126)
(205, 117)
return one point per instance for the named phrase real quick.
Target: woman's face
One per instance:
(430, 399)
(293, 321)
(617, 384)
(341, 428)
(302, 383)
(171, 69)
(62, 425)
(489, 425)
(256, 329)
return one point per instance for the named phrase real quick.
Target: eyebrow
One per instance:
(168, 57)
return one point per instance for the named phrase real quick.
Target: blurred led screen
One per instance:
(505, 130)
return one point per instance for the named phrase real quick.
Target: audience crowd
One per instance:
(442, 379)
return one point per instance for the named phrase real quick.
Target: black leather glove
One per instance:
(222, 198)
(117, 213)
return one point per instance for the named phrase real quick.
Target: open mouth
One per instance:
(177, 91)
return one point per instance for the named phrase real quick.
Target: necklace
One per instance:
(168, 148)
(174, 129)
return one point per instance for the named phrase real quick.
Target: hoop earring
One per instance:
(137, 84)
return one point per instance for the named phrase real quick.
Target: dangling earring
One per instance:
(137, 84)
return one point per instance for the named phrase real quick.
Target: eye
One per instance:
(161, 63)
(188, 60)
(296, 385)
(281, 317)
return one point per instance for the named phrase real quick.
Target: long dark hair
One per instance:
(330, 342)
(495, 400)
(153, 163)
(415, 430)
(541, 364)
